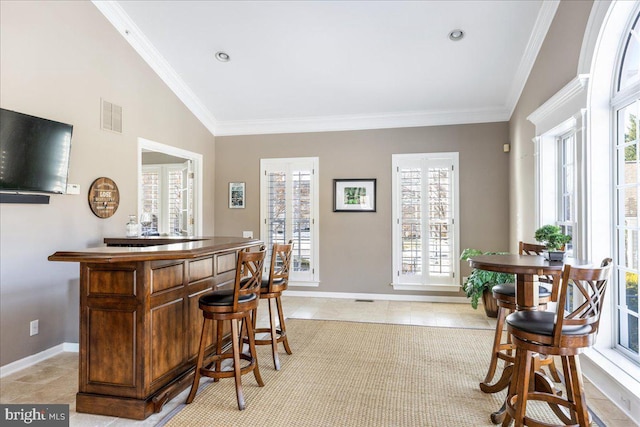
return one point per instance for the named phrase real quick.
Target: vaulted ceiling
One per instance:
(301, 66)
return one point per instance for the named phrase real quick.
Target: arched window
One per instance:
(625, 103)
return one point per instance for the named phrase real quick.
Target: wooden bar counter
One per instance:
(139, 318)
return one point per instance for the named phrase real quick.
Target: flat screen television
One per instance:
(34, 153)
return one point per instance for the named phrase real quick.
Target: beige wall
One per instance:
(57, 59)
(355, 248)
(555, 66)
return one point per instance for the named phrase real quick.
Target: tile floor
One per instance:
(55, 380)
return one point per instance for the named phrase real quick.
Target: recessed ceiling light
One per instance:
(456, 35)
(223, 56)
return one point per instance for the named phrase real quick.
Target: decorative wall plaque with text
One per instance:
(104, 197)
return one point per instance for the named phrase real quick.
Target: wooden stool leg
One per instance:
(553, 371)
(243, 331)
(274, 334)
(219, 327)
(512, 390)
(236, 363)
(579, 400)
(254, 316)
(283, 328)
(254, 354)
(196, 376)
(522, 386)
(497, 338)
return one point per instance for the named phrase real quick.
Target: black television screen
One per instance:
(35, 153)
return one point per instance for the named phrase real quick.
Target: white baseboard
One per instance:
(12, 367)
(383, 297)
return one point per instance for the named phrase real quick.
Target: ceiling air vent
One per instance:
(111, 117)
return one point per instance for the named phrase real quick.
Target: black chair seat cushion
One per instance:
(541, 323)
(509, 289)
(265, 282)
(223, 297)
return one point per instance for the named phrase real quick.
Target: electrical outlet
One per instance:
(33, 328)
(247, 234)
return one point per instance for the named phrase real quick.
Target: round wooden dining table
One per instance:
(525, 268)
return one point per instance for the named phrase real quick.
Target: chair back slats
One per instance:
(248, 274)
(281, 256)
(591, 284)
(553, 280)
(531, 248)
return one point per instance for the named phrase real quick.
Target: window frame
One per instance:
(622, 98)
(312, 278)
(422, 282)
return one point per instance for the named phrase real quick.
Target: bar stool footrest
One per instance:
(206, 370)
(280, 336)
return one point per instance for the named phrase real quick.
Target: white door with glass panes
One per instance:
(425, 232)
(288, 211)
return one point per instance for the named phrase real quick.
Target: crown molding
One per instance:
(572, 89)
(545, 17)
(360, 122)
(134, 36)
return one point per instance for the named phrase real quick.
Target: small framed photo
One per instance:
(354, 195)
(236, 195)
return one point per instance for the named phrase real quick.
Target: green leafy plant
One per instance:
(480, 280)
(552, 237)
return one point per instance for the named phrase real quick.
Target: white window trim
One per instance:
(315, 247)
(562, 114)
(396, 213)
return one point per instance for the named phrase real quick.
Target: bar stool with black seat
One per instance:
(505, 295)
(557, 333)
(234, 305)
(271, 290)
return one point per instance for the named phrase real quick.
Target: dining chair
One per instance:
(505, 295)
(557, 333)
(234, 305)
(271, 290)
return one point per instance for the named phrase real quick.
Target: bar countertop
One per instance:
(153, 248)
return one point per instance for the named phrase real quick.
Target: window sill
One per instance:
(615, 376)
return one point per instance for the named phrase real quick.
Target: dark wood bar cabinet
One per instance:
(139, 319)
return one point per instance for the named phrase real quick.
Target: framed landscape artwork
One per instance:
(354, 195)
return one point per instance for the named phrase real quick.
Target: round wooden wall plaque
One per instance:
(104, 197)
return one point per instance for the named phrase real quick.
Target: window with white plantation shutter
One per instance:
(167, 194)
(288, 208)
(151, 197)
(425, 234)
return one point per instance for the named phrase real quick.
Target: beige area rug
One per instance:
(347, 374)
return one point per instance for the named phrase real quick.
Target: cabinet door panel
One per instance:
(112, 335)
(167, 338)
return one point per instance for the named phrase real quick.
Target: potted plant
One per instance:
(552, 237)
(480, 283)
